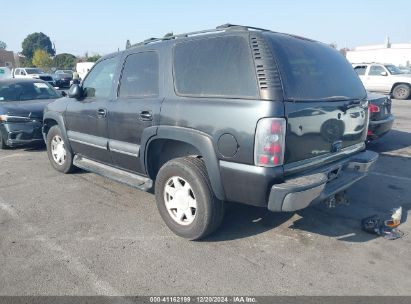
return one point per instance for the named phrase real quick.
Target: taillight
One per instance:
(270, 142)
(373, 108)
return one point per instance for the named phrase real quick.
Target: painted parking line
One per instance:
(75, 266)
(407, 179)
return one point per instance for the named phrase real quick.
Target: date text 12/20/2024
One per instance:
(203, 299)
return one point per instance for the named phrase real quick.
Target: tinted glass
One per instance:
(376, 70)
(393, 69)
(215, 67)
(360, 70)
(140, 76)
(99, 80)
(311, 70)
(34, 71)
(26, 91)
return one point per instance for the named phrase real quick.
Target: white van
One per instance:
(5, 72)
(82, 68)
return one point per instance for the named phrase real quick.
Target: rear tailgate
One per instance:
(318, 128)
(325, 102)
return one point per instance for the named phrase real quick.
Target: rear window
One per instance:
(220, 66)
(311, 70)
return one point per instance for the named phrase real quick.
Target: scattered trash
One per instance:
(388, 228)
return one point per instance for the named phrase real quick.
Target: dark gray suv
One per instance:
(230, 114)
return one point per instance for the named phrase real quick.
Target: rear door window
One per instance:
(361, 69)
(311, 70)
(220, 66)
(376, 70)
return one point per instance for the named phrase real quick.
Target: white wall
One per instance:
(399, 54)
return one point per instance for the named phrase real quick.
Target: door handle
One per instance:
(101, 113)
(146, 116)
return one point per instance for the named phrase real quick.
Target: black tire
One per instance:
(210, 210)
(66, 166)
(2, 142)
(401, 91)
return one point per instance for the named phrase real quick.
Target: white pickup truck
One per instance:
(384, 78)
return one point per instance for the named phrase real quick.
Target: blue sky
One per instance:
(103, 26)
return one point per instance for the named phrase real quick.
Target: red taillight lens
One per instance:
(373, 108)
(270, 142)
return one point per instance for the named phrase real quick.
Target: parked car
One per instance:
(205, 118)
(33, 73)
(405, 70)
(22, 102)
(5, 72)
(62, 80)
(381, 118)
(64, 72)
(384, 78)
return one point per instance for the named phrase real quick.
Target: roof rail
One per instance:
(220, 28)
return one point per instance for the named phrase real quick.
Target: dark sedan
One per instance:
(22, 102)
(381, 119)
(62, 80)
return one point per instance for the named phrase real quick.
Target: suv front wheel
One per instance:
(60, 157)
(185, 199)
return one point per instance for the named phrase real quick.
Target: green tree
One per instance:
(3, 45)
(36, 41)
(64, 61)
(41, 59)
(93, 58)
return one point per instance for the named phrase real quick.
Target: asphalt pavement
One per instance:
(82, 234)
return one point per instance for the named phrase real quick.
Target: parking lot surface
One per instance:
(82, 234)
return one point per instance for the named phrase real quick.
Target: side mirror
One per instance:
(75, 91)
(384, 74)
(63, 93)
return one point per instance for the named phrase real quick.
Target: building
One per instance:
(7, 59)
(396, 53)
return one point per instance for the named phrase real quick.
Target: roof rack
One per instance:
(220, 28)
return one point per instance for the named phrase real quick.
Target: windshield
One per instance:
(393, 69)
(311, 70)
(34, 71)
(26, 91)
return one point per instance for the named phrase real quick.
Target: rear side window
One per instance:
(376, 70)
(140, 76)
(360, 69)
(311, 70)
(215, 67)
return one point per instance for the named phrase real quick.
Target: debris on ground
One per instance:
(385, 228)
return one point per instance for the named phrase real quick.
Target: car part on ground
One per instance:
(385, 228)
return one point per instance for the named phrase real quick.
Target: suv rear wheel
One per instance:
(401, 91)
(185, 199)
(59, 156)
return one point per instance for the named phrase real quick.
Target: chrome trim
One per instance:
(322, 160)
(124, 152)
(87, 143)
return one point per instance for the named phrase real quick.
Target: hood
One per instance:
(28, 108)
(407, 77)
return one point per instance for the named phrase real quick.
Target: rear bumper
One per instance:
(378, 128)
(18, 134)
(302, 191)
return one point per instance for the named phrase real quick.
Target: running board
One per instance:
(133, 180)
